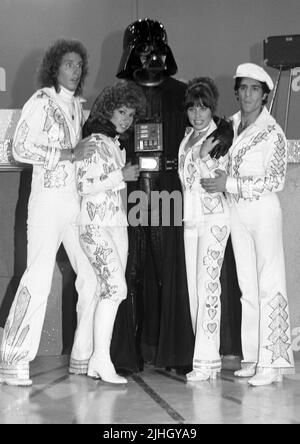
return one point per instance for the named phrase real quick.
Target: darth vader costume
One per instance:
(153, 324)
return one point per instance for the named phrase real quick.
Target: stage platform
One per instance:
(153, 396)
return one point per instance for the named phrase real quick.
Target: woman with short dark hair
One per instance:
(206, 221)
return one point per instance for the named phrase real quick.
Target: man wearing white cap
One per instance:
(257, 168)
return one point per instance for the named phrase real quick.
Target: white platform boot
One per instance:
(17, 374)
(100, 364)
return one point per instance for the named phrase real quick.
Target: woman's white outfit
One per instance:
(50, 122)
(257, 168)
(102, 220)
(206, 230)
(104, 239)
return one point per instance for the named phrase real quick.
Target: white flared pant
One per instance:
(51, 221)
(204, 252)
(256, 232)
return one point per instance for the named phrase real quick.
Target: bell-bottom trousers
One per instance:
(106, 249)
(256, 232)
(51, 221)
(204, 251)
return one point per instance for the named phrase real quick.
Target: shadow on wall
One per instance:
(110, 56)
(20, 242)
(25, 80)
(227, 100)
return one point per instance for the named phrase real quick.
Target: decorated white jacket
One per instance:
(257, 159)
(198, 204)
(44, 129)
(100, 181)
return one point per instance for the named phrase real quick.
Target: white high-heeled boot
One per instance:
(201, 375)
(100, 364)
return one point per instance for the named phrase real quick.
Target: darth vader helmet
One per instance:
(147, 58)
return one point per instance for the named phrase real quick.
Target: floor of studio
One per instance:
(153, 396)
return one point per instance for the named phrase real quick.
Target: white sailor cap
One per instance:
(256, 72)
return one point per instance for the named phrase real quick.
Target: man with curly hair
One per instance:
(48, 136)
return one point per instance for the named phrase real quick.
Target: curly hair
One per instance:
(202, 90)
(48, 70)
(123, 93)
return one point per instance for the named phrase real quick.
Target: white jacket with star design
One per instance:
(257, 159)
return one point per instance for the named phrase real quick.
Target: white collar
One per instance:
(65, 94)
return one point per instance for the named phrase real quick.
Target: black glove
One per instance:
(224, 133)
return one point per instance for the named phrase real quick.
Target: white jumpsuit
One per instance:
(257, 168)
(45, 128)
(103, 221)
(206, 230)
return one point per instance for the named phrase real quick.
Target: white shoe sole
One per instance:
(112, 380)
(267, 381)
(16, 382)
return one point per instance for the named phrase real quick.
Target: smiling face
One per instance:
(70, 70)
(250, 94)
(122, 118)
(199, 116)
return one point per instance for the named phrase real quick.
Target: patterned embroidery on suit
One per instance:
(238, 159)
(213, 260)
(14, 336)
(212, 204)
(96, 209)
(23, 149)
(56, 126)
(105, 168)
(219, 233)
(253, 187)
(104, 152)
(279, 326)
(87, 237)
(105, 272)
(103, 262)
(57, 131)
(192, 171)
(55, 179)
